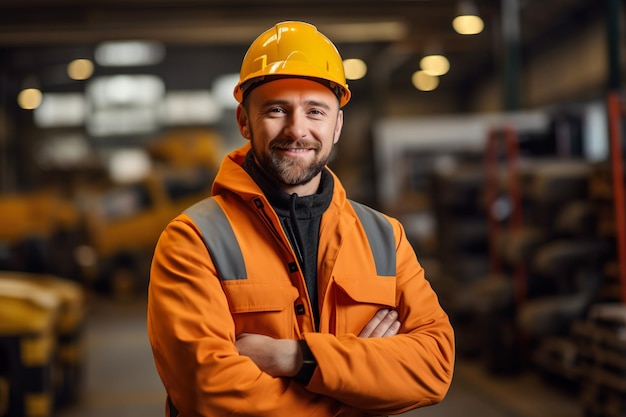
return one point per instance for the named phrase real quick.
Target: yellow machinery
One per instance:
(38, 232)
(41, 325)
(188, 147)
(34, 214)
(123, 223)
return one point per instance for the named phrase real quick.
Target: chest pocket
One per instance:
(265, 308)
(357, 299)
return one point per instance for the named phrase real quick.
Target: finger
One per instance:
(373, 323)
(385, 324)
(393, 329)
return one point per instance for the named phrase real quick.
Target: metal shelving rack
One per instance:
(504, 141)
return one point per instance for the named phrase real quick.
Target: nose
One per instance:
(296, 126)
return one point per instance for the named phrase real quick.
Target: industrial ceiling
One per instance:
(206, 38)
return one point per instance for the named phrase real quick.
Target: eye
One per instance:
(317, 112)
(275, 110)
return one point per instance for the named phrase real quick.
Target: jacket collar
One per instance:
(232, 177)
(306, 207)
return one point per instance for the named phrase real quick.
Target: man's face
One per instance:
(293, 124)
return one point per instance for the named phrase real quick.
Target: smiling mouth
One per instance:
(296, 150)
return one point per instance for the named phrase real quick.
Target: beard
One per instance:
(291, 171)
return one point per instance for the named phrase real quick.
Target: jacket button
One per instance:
(300, 309)
(293, 267)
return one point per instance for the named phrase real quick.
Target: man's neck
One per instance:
(309, 188)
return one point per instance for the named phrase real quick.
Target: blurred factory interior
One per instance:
(498, 144)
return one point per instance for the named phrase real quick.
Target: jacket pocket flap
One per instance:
(374, 290)
(247, 297)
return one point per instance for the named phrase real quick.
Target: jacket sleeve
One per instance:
(192, 336)
(394, 374)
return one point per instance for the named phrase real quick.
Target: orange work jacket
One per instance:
(194, 316)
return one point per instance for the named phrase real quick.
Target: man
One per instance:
(305, 304)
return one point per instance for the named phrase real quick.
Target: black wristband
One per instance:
(308, 364)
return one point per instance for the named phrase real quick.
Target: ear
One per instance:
(242, 122)
(338, 127)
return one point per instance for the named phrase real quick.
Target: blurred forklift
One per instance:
(123, 221)
(38, 232)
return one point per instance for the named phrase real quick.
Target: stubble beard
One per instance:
(291, 171)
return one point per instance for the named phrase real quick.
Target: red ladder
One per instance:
(616, 112)
(508, 138)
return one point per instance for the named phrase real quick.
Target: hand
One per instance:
(282, 357)
(384, 323)
(276, 357)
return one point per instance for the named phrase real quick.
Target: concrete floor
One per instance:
(120, 379)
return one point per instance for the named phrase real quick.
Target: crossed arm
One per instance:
(283, 358)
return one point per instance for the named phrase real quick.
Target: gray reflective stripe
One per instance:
(380, 236)
(224, 249)
(219, 239)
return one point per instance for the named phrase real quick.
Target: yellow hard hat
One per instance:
(294, 49)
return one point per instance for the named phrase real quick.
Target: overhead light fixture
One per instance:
(223, 87)
(126, 90)
(190, 108)
(129, 53)
(354, 68)
(80, 69)
(467, 21)
(29, 98)
(124, 104)
(435, 65)
(61, 110)
(129, 165)
(424, 82)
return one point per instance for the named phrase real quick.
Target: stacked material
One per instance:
(602, 360)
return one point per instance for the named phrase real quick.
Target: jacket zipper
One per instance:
(294, 242)
(268, 221)
(258, 203)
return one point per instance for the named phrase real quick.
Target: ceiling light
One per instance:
(467, 21)
(128, 165)
(191, 108)
(80, 69)
(424, 82)
(129, 53)
(223, 87)
(355, 69)
(29, 98)
(122, 89)
(468, 25)
(61, 109)
(124, 104)
(435, 65)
